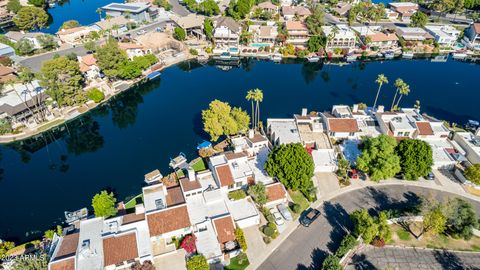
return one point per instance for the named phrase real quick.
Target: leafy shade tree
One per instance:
(14, 6)
(239, 9)
(418, 19)
(378, 158)
(37, 3)
(62, 80)
(90, 46)
(110, 57)
(292, 165)
(96, 95)
(416, 158)
(5, 126)
(197, 262)
(384, 231)
(5, 246)
(163, 3)
(364, 225)
(47, 42)
(103, 204)
(381, 79)
(434, 218)
(331, 263)
(315, 43)
(473, 173)
(208, 28)
(240, 236)
(24, 47)
(219, 119)
(70, 24)
(315, 21)
(30, 18)
(461, 218)
(258, 193)
(209, 8)
(31, 263)
(179, 33)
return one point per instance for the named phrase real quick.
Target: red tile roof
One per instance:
(224, 175)
(174, 196)
(232, 155)
(168, 220)
(188, 185)
(118, 249)
(225, 229)
(257, 138)
(293, 25)
(343, 125)
(424, 128)
(275, 192)
(68, 264)
(131, 218)
(68, 246)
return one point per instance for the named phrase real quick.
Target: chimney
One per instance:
(191, 174)
(251, 133)
(304, 112)
(355, 108)
(139, 209)
(381, 108)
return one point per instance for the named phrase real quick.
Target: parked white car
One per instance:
(276, 215)
(284, 211)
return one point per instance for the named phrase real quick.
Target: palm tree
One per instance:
(258, 98)
(404, 90)
(398, 84)
(251, 96)
(99, 12)
(26, 76)
(381, 79)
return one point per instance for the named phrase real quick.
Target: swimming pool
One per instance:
(260, 45)
(233, 50)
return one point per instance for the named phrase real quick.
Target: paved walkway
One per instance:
(412, 259)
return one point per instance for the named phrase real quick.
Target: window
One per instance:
(400, 134)
(238, 184)
(230, 186)
(406, 134)
(352, 134)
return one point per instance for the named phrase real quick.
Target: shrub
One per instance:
(179, 34)
(240, 236)
(377, 242)
(188, 243)
(96, 95)
(267, 240)
(49, 234)
(347, 243)
(5, 126)
(197, 262)
(331, 263)
(272, 225)
(296, 208)
(268, 231)
(193, 52)
(237, 194)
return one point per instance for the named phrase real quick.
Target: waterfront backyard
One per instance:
(116, 144)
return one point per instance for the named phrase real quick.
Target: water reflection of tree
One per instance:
(248, 63)
(189, 65)
(83, 136)
(310, 71)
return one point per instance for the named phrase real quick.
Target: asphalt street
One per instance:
(306, 248)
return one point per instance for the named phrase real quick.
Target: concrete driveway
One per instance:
(173, 261)
(326, 183)
(255, 244)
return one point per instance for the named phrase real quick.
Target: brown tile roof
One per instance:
(225, 229)
(118, 249)
(224, 175)
(343, 125)
(71, 30)
(275, 192)
(267, 5)
(293, 25)
(188, 185)
(131, 218)
(174, 196)
(8, 78)
(68, 246)
(257, 138)
(424, 128)
(295, 10)
(379, 37)
(68, 264)
(126, 46)
(89, 59)
(168, 220)
(6, 70)
(232, 155)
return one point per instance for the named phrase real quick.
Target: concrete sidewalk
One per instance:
(445, 185)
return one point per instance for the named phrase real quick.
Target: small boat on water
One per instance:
(72, 217)
(389, 55)
(178, 162)
(225, 55)
(153, 75)
(277, 57)
(350, 57)
(459, 56)
(407, 55)
(313, 59)
(204, 144)
(440, 58)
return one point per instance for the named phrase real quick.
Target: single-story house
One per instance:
(7, 74)
(445, 35)
(76, 35)
(15, 36)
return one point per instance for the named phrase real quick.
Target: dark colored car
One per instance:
(309, 216)
(430, 176)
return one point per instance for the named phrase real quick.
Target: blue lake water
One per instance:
(83, 11)
(140, 130)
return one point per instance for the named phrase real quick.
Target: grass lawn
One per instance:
(299, 199)
(198, 165)
(402, 237)
(472, 190)
(18, 250)
(238, 263)
(134, 201)
(50, 125)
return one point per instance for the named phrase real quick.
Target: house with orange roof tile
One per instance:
(88, 66)
(297, 33)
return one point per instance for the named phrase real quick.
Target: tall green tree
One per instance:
(251, 97)
(208, 28)
(103, 204)
(473, 173)
(384, 231)
(381, 79)
(404, 90)
(110, 58)
(399, 83)
(179, 34)
(378, 157)
(37, 3)
(258, 98)
(63, 80)
(364, 225)
(315, 21)
(30, 18)
(419, 19)
(69, 24)
(434, 217)
(14, 6)
(209, 8)
(461, 218)
(197, 262)
(24, 46)
(219, 119)
(47, 42)
(331, 263)
(416, 158)
(292, 165)
(258, 193)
